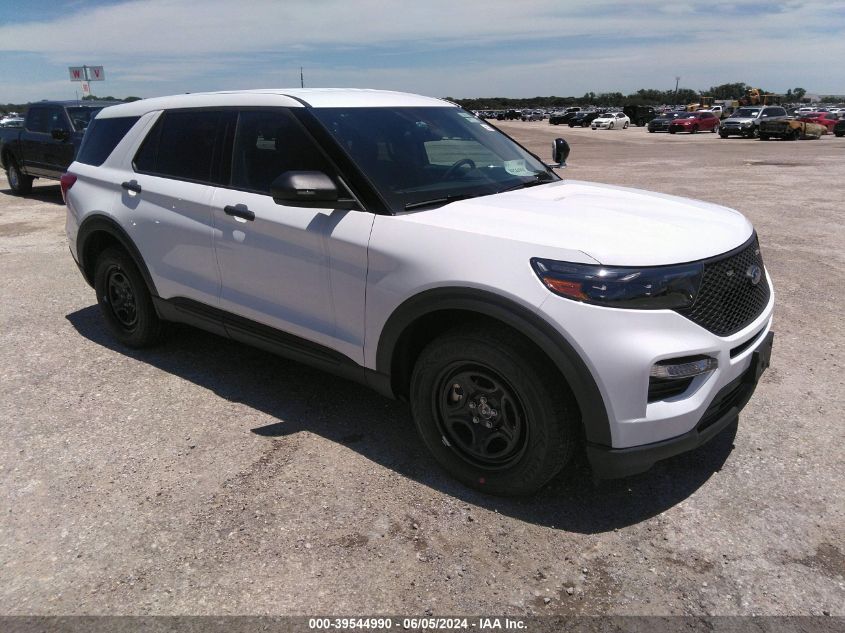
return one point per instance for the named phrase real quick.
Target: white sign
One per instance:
(86, 89)
(87, 73)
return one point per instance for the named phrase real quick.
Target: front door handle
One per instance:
(131, 185)
(239, 211)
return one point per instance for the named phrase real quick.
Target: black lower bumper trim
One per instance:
(610, 463)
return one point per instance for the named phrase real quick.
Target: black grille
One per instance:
(728, 300)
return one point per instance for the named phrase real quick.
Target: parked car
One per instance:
(11, 122)
(396, 241)
(640, 115)
(790, 129)
(47, 143)
(826, 119)
(532, 115)
(560, 118)
(746, 120)
(611, 120)
(583, 119)
(661, 122)
(839, 128)
(692, 122)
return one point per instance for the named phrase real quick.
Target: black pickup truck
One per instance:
(47, 144)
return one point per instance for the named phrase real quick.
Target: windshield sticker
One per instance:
(517, 168)
(469, 117)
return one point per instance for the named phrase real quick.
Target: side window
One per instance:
(102, 137)
(267, 144)
(37, 120)
(56, 119)
(180, 145)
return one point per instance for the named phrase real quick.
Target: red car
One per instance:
(822, 118)
(693, 122)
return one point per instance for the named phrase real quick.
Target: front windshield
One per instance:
(421, 156)
(688, 115)
(81, 117)
(745, 113)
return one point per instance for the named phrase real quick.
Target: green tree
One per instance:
(798, 93)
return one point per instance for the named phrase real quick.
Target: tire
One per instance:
(714, 129)
(796, 135)
(839, 134)
(522, 390)
(125, 300)
(610, 127)
(694, 130)
(650, 131)
(625, 127)
(19, 183)
(671, 131)
(764, 137)
(722, 134)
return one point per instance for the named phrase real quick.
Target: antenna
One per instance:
(301, 78)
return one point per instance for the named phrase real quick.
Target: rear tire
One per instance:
(19, 183)
(694, 129)
(125, 300)
(492, 411)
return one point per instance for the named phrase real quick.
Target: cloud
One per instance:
(438, 46)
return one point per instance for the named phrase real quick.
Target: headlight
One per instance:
(652, 288)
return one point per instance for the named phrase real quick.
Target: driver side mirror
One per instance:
(312, 189)
(560, 152)
(60, 134)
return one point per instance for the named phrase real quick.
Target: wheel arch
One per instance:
(96, 233)
(423, 317)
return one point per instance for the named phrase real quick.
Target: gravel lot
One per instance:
(203, 477)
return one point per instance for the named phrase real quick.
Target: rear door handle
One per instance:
(131, 185)
(239, 211)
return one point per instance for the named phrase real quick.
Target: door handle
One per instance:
(131, 185)
(239, 211)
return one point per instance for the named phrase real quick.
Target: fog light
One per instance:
(679, 368)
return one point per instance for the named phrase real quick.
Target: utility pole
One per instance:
(301, 78)
(677, 81)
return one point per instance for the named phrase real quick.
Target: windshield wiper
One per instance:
(442, 200)
(531, 183)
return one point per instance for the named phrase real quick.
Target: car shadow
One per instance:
(47, 193)
(304, 399)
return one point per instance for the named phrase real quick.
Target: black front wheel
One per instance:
(19, 183)
(124, 300)
(493, 412)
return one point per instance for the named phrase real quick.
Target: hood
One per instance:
(613, 225)
(736, 119)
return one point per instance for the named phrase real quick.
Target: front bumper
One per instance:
(609, 463)
(735, 130)
(619, 348)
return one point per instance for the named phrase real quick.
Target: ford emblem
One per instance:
(755, 274)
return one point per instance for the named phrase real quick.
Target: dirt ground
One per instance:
(203, 477)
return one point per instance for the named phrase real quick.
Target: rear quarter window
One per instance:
(101, 137)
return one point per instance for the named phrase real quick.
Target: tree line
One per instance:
(643, 96)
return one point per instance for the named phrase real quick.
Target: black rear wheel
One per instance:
(124, 300)
(493, 413)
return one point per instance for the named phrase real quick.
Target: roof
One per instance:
(292, 98)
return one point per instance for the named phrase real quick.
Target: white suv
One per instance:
(402, 242)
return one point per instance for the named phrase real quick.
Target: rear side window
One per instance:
(181, 146)
(101, 137)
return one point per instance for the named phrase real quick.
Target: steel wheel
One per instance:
(121, 298)
(480, 416)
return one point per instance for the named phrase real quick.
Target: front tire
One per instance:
(492, 411)
(625, 127)
(125, 301)
(19, 183)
